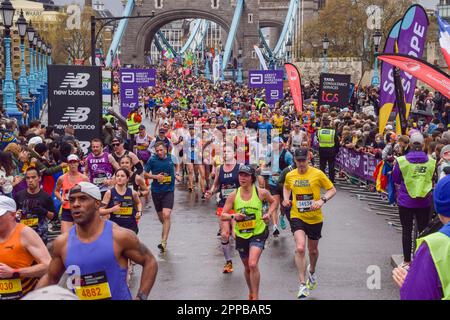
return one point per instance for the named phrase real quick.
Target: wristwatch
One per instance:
(16, 274)
(324, 199)
(142, 296)
(232, 217)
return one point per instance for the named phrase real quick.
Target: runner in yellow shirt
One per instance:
(277, 120)
(306, 218)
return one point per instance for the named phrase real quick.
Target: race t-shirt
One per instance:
(306, 189)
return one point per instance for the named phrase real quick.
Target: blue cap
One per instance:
(442, 196)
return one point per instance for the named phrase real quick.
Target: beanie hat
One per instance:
(441, 197)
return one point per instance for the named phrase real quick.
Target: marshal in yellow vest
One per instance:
(439, 245)
(326, 138)
(417, 176)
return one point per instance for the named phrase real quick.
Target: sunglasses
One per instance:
(116, 144)
(73, 161)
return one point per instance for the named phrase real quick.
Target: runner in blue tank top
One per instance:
(98, 251)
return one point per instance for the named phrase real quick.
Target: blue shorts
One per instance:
(243, 245)
(66, 215)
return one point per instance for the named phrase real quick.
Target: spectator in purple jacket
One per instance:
(413, 173)
(427, 278)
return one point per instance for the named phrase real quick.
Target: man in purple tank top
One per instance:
(100, 166)
(95, 253)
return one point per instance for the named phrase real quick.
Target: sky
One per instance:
(115, 6)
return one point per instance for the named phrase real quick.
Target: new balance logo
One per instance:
(78, 81)
(75, 115)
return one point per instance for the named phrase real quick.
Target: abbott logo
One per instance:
(76, 115)
(78, 81)
(127, 77)
(256, 79)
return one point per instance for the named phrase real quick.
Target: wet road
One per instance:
(355, 241)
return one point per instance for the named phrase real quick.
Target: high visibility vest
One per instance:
(109, 118)
(439, 246)
(326, 138)
(417, 176)
(133, 126)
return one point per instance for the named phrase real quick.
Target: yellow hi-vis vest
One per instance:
(133, 126)
(439, 245)
(326, 138)
(417, 176)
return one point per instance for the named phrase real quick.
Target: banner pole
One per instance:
(400, 99)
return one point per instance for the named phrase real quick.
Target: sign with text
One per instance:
(75, 99)
(270, 80)
(106, 90)
(130, 82)
(334, 89)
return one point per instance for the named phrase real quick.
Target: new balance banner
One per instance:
(334, 90)
(421, 70)
(270, 80)
(411, 41)
(75, 99)
(130, 82)
(387, 88)
(295, 84)
(106, 90)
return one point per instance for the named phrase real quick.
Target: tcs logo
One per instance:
(330, 97)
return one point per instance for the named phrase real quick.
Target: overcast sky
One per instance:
(115, 6)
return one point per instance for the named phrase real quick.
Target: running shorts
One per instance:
(313, 231)
(243, 245)
(163, 200)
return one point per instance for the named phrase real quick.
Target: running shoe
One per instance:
(162, 247)
(311, 282)
(276, 233)
(303, 291)
(228, 267)
(219, 233)
(282, 222)
(203, 197)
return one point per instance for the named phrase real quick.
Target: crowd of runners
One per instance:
(222, 141)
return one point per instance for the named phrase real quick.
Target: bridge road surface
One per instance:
(353, 239)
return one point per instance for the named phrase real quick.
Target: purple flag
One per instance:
(411, 41)
(387, 88)
(130, 82)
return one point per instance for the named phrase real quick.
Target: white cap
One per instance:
(389, 127)
(34, 141)
(73, 157)
(7, 205)
(87, 188)
(416, 138)
(54, 292)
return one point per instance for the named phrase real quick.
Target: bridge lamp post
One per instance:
(22, 24)
(376, 42)
(39, 63)
(31, 76)
(49, 54)
(239, 79)
(197, 54)
(288, 50)
(221, 71)
(325, 45)
(9, 87)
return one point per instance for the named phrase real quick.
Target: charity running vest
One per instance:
(417, 176)
(253, 224)
(100, 169)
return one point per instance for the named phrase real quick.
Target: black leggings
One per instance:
(406, 219)
(323, 165)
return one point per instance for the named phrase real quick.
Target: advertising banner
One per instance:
(357, 164)
(75, 99)
(334, 90)
(294, 79)
(270, 80)
(106, 90)
(130, 82)
(387, 87)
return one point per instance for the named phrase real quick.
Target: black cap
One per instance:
(247, 169)
(191, 126)
(141, 127)
(301, 154)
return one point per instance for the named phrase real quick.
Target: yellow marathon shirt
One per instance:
(306, 189)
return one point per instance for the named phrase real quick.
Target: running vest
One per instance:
(326, 138)
(132, 182)
(253, 224)
(126, 216)
(439, 246)
(132, 126)
(100, 169)
(282, 162)
(297, 139)
(417, 176)
(101, 275)
(66, 186)
(13, 254)
(142, 151)
(165, 140)
(228, 182)
(117, 158)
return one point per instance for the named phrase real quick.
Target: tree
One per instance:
(345, 23)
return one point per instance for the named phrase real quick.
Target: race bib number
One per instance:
(275, 177)
(304, 202)
(32, 222)
(10, 289)
(248, 224)
(167, 180)
(141, 147)
(94, 287)
(125, 211)
(227, 192)
(98, 181)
